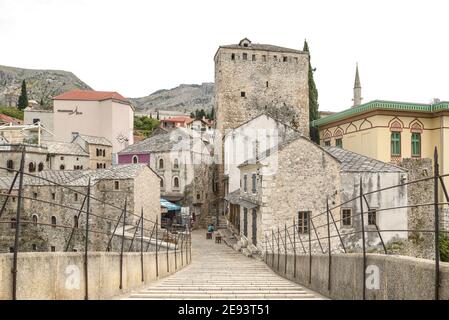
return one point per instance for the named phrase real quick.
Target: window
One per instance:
(116, 185)
(161, 163)
(266, 84)
(10, 165)
(198, 196)
(36, 120)
(253, 182)
(40, 167)
(253, 57)
(243, 94)
(175, 164)
(34, 218)
(245, 188)
(53, 196)
(327, 143)
(416, 144)
(264, 58)
(275, 58)
(245, 56)
(245, 45)
(104, 153)
(346, 217)
(11, 249)
(53, 248)
(75, 221)
(62, 158)
(162, 183)
(13, 223)
(339, 143)
(31, 167)
(176, 182)
(245, 222)
(61, 167)
(53, 221)
(284, 59)
(35, 195)
(232, 56)
(372, 217)
(303, 221)
(296, 59)
(34, 247)
(395, 143)
(75, 196)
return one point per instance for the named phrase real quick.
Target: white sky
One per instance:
(136, 46)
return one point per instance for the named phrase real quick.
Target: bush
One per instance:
(444, 248)
(12, 112)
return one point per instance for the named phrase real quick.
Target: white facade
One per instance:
(111, 119)
(45, 117)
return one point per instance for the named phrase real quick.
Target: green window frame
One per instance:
(416, 144)
(339, 143)
(396, 143)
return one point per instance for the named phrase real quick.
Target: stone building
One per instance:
(36, 159)
(251, 79)
(182, 160)
(49, 225)
(44, 117)
(296, 180)
(98, 148)
(66, 156)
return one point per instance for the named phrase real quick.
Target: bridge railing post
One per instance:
(17, 225)
(122, 244)
(294, 248)
(157, 262)
(363, 240)
(167, 242)
(86, 245)
(437, 224)
(141, 244)
(310, 246)
(279, 247)
(329, 249)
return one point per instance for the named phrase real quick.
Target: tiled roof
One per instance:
(354, 162)
(95, 140)
(160, 142)
(78, 178)
(185, 120)
(7, 119)
(90, 95)
(66, 148)
(262, 47)
(381, 105)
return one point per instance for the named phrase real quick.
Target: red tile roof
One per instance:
(7, 119)
(181, 119)
(90, 95)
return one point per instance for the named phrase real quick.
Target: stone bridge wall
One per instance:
(60, 275)
(399, 278)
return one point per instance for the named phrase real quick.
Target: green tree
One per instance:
(192, 115)
(23, 98)
(313, 99)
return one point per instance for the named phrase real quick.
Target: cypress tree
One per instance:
(313, 100)
(23, 98)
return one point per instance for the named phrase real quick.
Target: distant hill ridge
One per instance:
(44, 84)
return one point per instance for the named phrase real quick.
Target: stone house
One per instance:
(98, 148)
(182, 160)
(66, 156)
(296, 180)
(49, 225)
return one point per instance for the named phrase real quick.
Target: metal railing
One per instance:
(330, 236)
(142, 233)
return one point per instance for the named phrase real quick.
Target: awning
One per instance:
(235, 198)
(170, 206)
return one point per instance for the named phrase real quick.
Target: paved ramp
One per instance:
(219, 272)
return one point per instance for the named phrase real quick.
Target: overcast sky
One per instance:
(137, 47)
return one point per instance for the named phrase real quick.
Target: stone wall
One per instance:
(388, 277)
(33, 154)
(60, 276)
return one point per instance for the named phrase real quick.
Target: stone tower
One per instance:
(251, 79)
(357, 89)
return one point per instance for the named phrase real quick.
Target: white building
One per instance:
(94, 113)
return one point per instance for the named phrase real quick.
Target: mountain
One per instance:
(41, 84)
(184, 98)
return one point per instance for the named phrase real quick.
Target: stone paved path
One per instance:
(219, 272)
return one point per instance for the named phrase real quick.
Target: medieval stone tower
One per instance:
(251, 79)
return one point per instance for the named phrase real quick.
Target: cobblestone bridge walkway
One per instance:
(218, 272)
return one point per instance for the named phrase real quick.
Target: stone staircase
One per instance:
(219, 272)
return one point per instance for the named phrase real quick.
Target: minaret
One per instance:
(357, 88)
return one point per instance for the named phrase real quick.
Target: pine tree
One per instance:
(313, 100)
(23, 98)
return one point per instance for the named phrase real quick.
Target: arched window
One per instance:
(40, 166)
(175, 182)
(61, 167)
(31, 167)
(162, 183)
(175, 164)
(135, 159)
(34, 218)
(75, 221)
(104, 153)
(10, 165)
(161, 163)
(53, 221)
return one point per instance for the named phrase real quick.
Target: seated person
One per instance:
(210, 228)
